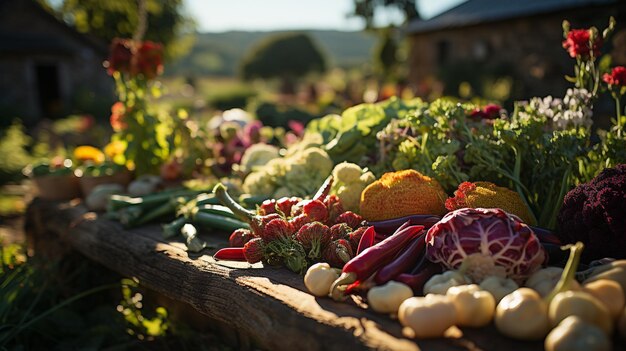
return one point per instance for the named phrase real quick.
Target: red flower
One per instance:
(149, 60)
(118, 112)
(490, 111)
(120, 56)
(617, 76)
(577, 43)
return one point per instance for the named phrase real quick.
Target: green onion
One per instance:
(210, 220)
(217, 210)
(173, 228)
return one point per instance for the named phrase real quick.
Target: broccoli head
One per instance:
(595, 213)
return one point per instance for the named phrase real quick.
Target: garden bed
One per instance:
(269, 307)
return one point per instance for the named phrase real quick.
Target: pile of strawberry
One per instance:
(296, 232)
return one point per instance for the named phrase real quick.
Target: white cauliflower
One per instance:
(257, 155)
(259, 183)
(299, 174)
(349, 182)
(347, 172)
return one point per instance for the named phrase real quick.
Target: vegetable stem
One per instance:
(222, 194)
(323, 191)
(569, 272)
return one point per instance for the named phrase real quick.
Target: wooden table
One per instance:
(268, 306)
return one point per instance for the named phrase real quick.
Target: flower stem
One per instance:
(619, 115)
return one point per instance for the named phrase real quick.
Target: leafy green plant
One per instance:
(14, 144)
(33, 311)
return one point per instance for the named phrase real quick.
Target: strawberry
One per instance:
(340, 231)
(337, 253)
(240, 237)
(254, 250)
(350, 218)
(314, 237)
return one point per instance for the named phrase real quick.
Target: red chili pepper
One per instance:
(417, 281)
(405, 260)
(371, 259)
(367, 240)
(230, 254)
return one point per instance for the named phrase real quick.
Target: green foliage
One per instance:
(352, 136)
(540, 164)
(53, 306)
(426, 140)
(35, 313)
(470, 78)
(367, 8)
(275, 115)
(110, 19)
(385, 54)
(147, 131)
(283, 56)
(220, 54)
(14, 144)
(11, 205)
(131, 307)
(236, 97)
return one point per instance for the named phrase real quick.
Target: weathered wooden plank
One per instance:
(268, 305)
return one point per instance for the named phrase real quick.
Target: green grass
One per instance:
(73, 304)
(11, 205)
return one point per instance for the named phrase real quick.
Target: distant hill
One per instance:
(220, 53)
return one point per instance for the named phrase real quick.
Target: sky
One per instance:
(267, 15)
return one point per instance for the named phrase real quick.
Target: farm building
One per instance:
(47, 69)
(495, 47)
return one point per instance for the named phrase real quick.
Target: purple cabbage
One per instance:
(483, 242)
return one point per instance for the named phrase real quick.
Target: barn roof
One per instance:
(474, 12)
(19, 42)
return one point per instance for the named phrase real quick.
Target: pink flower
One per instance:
(297, 127)
(577, 43)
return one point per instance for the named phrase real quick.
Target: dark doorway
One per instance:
(443, 51)
(48, 90)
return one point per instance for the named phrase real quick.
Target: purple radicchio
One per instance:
(485, 241)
